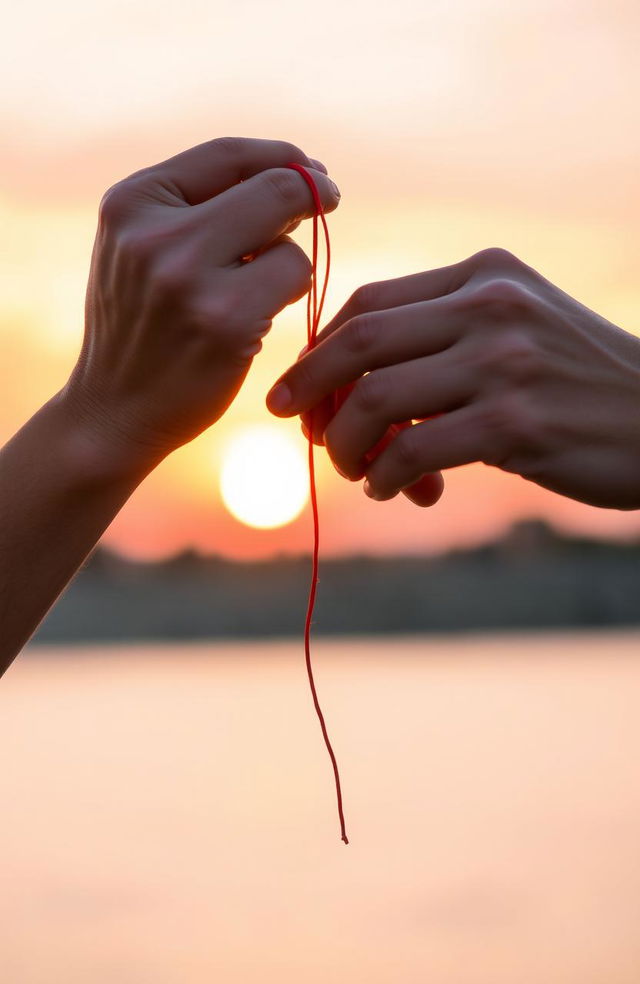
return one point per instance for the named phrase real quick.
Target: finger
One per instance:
(427, 285)
(305, 424)
(204, 171)
(416, 287)
(292, 228)
(318, 165)
(409, 391)
(255, 213)
(392, 432)
(317, 420)
(453, 439)
(426, 491)
(364, 343)
(287, 232)
(278, 276)
(321, 415)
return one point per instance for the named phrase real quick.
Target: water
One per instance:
(168, 814)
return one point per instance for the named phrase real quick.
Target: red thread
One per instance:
(314, 313)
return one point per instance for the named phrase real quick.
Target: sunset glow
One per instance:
(263, 480)
(449, 127)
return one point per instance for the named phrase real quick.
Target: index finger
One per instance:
(362, 344)
(425, 286)
(255, 213)
(204, 171)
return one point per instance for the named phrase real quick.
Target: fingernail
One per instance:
(279, 398)
(319, 166)
(335, 188)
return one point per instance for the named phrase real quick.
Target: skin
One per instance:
(191, 263)
(493, 364)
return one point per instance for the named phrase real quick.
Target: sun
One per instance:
(263, 480)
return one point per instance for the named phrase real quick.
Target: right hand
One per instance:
(191, 263)
(497, 365)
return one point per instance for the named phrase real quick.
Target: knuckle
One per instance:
(511, 426)
(517, 357)
(495, 416)
(211, 323)
(289, 150)
(371, 392)
(284, 184)
(115, 203)
(301, 265)
(171, 280)
(209, 328)
(407, 451)
(246, 353)
(360, 333)
(501, 299)
(302, 378)
(495, 257)
(140, 245)
(243, 346)
(229, 146)
(170, 262)
(333, 445)
(365, 298)
(175, 276)
(218, 313)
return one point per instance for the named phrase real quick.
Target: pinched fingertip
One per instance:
(279, 399)
(425, 492)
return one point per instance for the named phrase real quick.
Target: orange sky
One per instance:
(449, 126)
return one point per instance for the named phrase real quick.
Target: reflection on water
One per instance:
(168, 814)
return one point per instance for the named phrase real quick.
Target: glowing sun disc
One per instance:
(264, 481)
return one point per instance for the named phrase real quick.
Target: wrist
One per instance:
(92, 449)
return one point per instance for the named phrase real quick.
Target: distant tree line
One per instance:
(534, 577)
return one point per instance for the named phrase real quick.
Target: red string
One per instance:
(314, 314)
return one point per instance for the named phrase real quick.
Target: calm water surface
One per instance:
(168, 814)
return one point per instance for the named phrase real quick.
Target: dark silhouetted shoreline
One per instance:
(533, 578)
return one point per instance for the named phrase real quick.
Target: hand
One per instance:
(497, 364)
(190, 264)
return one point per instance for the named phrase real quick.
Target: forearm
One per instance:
(59, 490)
(174, 317)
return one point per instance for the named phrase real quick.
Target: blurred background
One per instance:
(168, 807)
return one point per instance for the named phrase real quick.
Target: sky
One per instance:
(449, 127)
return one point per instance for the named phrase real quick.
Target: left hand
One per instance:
(191, 263)
(497, 364)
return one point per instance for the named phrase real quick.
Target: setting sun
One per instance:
(263, 481)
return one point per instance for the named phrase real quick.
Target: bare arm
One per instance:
(191, 263)
(58, 493)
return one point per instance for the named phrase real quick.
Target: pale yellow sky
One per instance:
(448, 126)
